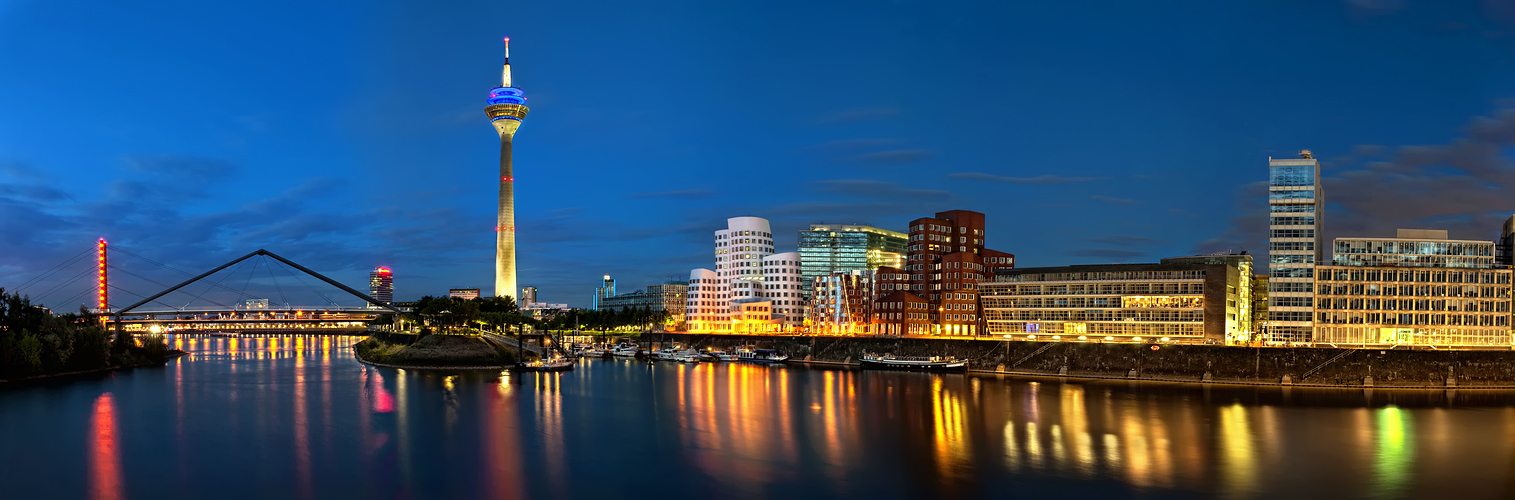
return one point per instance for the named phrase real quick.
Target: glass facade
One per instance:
(1295, 246)
(1389, 306)
(826, 249)
(1413, 253)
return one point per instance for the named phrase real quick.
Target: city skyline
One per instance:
(1078, 149)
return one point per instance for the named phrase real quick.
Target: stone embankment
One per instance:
(1186, 363)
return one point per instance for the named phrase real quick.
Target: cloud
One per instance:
(1117, 201)
(1123, 239)
(1107, 252)
(31, 192)
(868, 188)
(894, 157)
(1375, 7)
(685, 194)
(1040, 179)
(874, 113)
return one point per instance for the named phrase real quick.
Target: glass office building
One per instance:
(1295, 245)
(833, 248)
(1419, 289)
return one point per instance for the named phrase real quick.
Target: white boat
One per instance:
(626, 350)
(593, 352)
(721, 355)
(760, 355)
(927, 363)
(684, 356)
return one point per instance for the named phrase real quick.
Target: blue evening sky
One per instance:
(346, 135)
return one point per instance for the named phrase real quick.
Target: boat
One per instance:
(626, 350)
(684, 356)
(593, 352)
(721, 355)
(926, 363)
(546, 365)
(760, 355)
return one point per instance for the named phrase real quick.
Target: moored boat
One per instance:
(923, 363)
(626, 350)
(546, 365)
(760, 355)
(720, 355)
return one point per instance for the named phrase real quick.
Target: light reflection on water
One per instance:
(296, 417)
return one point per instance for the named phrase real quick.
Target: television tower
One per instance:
(507, 106)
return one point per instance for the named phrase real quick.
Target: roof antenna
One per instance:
(505, 72)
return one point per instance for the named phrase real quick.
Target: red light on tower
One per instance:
(103, 303)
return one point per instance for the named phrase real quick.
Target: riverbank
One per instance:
(1273, 366)
(453, 352)
(80, 374)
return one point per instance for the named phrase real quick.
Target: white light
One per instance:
(1165, 339)
(1138, 339)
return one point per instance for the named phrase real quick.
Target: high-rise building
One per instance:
(528, 296)
(506, 109)
(606, 289)
(835, 248)
(1295, 245)
(1504, 252)
(381, 286)
(750, 281)
(945, 260)
(1417, 289)
(671, 296)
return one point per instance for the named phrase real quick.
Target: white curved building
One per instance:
(747, 272)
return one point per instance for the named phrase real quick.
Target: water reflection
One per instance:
(743, 430)
(105, 457)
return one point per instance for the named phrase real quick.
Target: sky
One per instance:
(349, 135)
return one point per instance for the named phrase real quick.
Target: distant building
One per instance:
(827, 249)
(606, 289)
(1418, 289)
(669, 296)
(381, 286)
(1260, 306)
(254, 304)
(1173, 301)
(1295, 244)
(528, 295)
(464, 293)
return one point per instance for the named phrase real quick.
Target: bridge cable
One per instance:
(275, 279)
(307, 286)
(250, 275)
(50, 271)
(60, 286)
(214, 283)
(174, 269)
(140, 295)
(150, 280)
(77, 296)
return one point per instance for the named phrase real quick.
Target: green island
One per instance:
(37, 344)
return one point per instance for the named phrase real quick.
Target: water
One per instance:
(299, 418)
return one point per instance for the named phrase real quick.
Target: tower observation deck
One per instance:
(506, 109)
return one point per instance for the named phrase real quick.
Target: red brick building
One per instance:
(944, 261)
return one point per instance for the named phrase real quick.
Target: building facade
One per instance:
(1418, 289)
(1295, 245)
(671, 296)
(381, 286)
(747, 272)
(528, 295)
(944, 262)
(606, 289)
(1240, 318)
(827, 249)
(1189, 303)
(841, 303)
(464, 293)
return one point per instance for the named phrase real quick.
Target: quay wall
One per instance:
(1266, 365)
